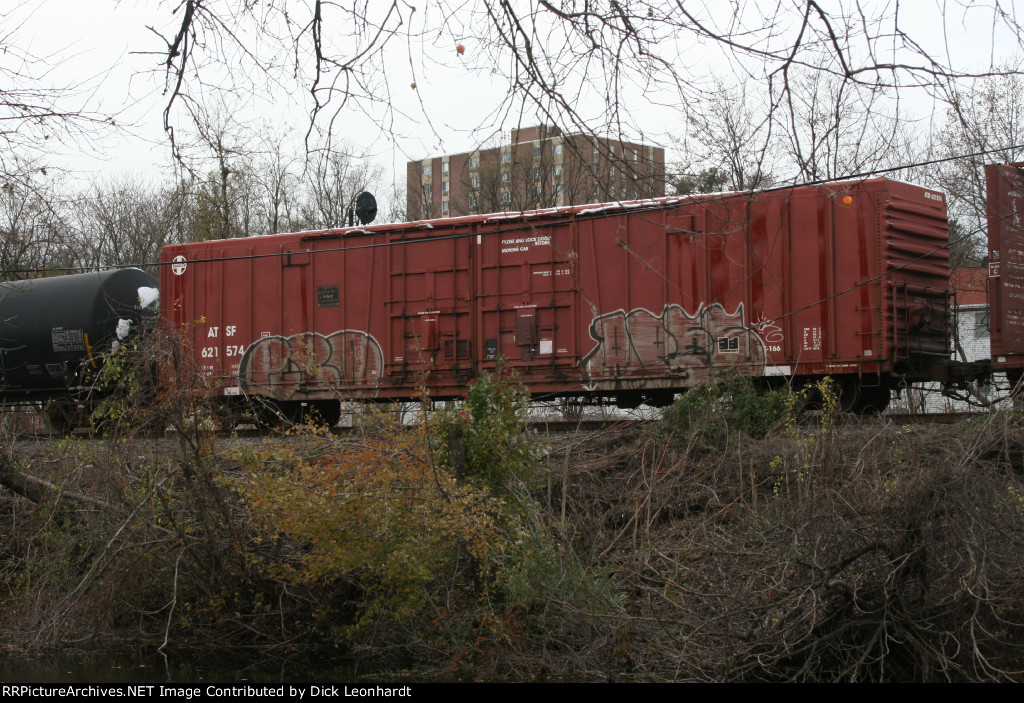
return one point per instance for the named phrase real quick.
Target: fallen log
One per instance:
(37, 490)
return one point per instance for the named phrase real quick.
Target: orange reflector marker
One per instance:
(88, 350)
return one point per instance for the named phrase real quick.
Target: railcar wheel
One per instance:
(571, 408)
(660, 399)
(857, 399)
(871, 400)
(61, 416)
(291, 412)
(849, 390)
(327, 412)
(271, 414)
(629, 401)
(227, 416)
(1013, 376)
(264, 413)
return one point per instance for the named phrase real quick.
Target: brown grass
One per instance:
(867, 552)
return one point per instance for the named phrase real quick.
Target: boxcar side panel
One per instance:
(525, 300)
(849, 278)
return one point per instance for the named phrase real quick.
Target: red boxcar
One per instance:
(629, 301)
(1005, 196)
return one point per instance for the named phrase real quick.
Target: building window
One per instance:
(426, 192)
(556, 170)
(506, 178)
(444, 167)
(474, 202)
(426, 168)
(557, 190)
(636, 155)
(474, 161)
(611, 172)
(611, 150)
(536, 173)
(444, 207)
(506, 197)
(506, 157)
(594, 169)
(538, 190)
(536, 151)
(981, 325)
(557, 149)
(425, 209)
(444, 187)
(474, 181)
(595, 152)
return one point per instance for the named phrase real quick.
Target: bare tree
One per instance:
(333, 179)
(122, 222)
(33, 227)
(832, 127)
(728, 143)
(984, 123)
(483, 187)
(37, 114)
(275, 171)
(220, 140)
(396, 208)
(550, 52)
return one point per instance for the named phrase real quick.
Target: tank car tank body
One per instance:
(55, 332)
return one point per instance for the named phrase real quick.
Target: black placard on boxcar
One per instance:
(327, 296)
(490, 348)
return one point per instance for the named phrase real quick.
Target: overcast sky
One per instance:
(98, 47)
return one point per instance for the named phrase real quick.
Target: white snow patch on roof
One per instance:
(648, 203)
(595, 210)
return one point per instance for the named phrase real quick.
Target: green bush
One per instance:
(705, 413)
(485, 438)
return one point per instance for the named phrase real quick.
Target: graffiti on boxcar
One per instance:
(637, 348)
(770, 332)
(286, 367)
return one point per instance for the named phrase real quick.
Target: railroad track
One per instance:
(540, 425)
(567, 426)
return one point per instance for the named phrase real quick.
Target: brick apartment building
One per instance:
(541, 167)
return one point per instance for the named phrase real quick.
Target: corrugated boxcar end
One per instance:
(916, 236)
